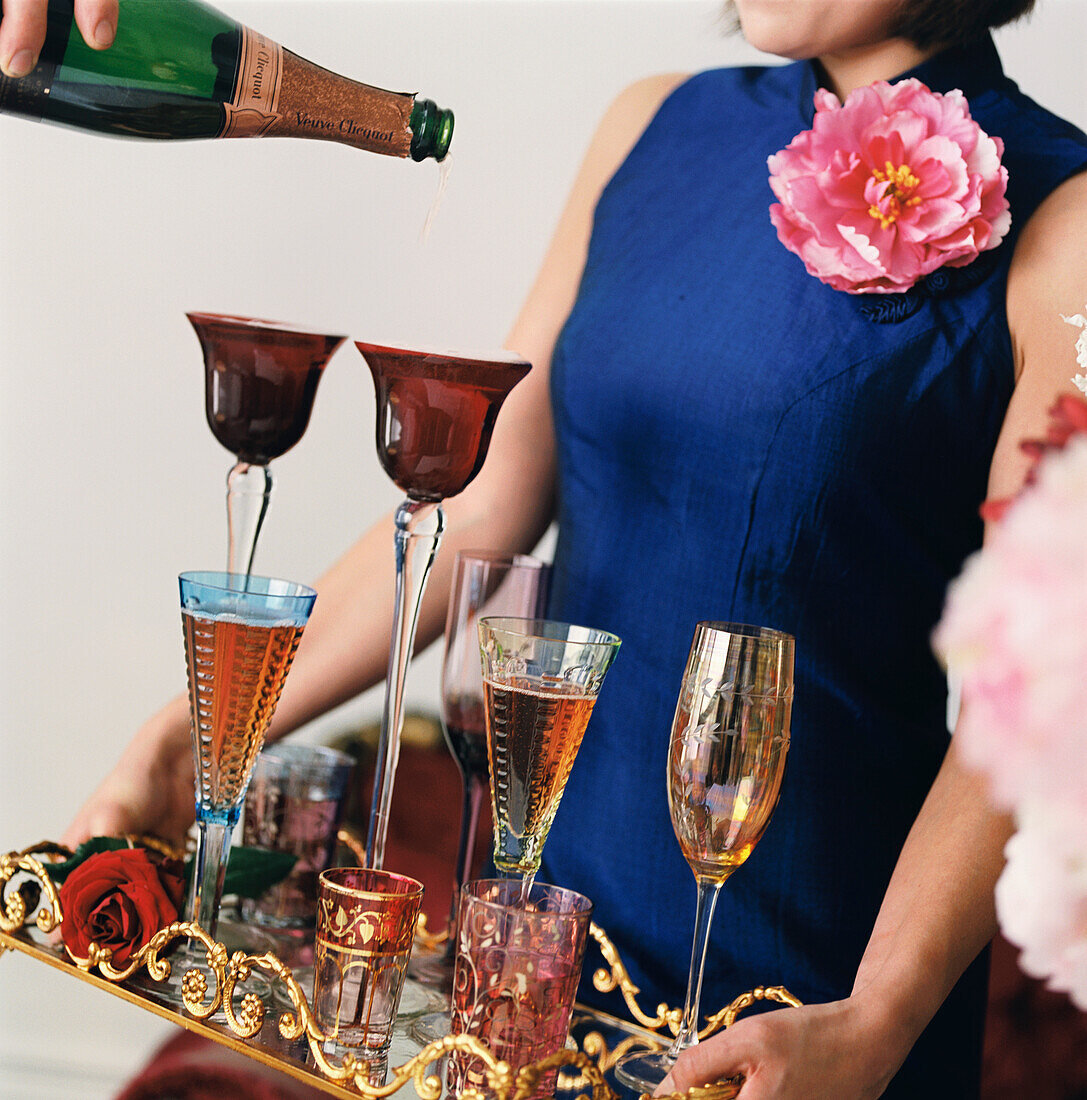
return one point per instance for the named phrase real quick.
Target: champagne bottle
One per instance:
(181, 69)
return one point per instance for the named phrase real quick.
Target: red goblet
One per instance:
(260, 379)
(435, 415)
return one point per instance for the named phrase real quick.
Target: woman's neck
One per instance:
(861, 65)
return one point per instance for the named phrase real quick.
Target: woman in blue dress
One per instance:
(721, 435)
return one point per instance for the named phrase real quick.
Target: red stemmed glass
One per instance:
(260, 379)
(435, 415)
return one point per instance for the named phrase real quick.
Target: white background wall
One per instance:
(110, 482)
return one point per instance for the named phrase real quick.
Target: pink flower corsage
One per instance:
(889, 186)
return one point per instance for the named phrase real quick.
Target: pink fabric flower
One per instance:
(1015, 630)
(1041, 898)
(890, 186)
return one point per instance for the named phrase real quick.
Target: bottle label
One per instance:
(316, 103)
(27, 96)
(254, 108)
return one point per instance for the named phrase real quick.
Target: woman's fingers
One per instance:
(834, 1051)
(22, 30)
(22, 33)
(97, 21)
(709, 1061)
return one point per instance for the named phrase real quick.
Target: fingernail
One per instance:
(103, 33)
(20, 64)
(665, 1087)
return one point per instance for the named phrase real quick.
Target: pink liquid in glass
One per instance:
(516, 975)
(294, 805)
(305, 828)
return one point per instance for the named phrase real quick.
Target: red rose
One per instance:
(118, 900)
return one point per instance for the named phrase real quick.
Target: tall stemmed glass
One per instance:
(485, 583)
(726, 759)
(239, 645)
(435, 415)
(260, 379)
(541, 680)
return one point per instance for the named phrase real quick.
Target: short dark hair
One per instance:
(929, 23)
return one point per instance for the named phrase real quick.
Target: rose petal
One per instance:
(119, 900)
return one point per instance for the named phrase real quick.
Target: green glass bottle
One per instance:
(181, 69)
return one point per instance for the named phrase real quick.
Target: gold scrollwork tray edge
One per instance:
(581, 1069)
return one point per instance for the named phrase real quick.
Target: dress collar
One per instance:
(971, 67)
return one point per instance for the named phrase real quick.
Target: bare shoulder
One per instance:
(631, 110)
(638, 102)
(552, 295)
(623, 123)
(1048, 277)
(1047, 282)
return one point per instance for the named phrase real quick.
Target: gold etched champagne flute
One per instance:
(540, 682)
(726, 759)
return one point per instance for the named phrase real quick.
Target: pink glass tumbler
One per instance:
(294, 804)
(516, 977)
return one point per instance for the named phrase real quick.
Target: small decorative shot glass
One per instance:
(294, 804)
(365, 926)
(516, 977)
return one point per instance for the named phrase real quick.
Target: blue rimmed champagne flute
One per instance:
(241, 634)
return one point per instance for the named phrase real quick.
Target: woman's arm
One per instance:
(508, 507)
(938, 911)
(510, 503)
(936, 916)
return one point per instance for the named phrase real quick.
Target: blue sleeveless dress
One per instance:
(737, 441)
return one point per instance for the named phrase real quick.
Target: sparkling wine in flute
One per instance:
(726, 759)
(236, 674)
(535, 733)
(181, 69)
(241, 633)
(725, 769)
(541, 680)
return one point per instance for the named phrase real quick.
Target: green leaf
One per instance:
(58, 872)
(251, 871)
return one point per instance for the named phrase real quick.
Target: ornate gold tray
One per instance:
(284, 1034)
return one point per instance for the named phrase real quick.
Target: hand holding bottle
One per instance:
(182, 69)
(22, 30)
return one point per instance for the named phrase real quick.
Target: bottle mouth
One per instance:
(431, 130)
